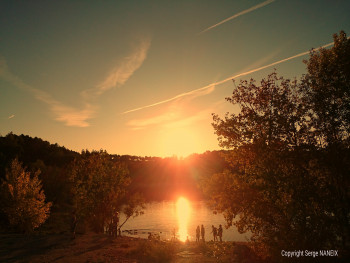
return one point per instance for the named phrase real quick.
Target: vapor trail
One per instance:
(212, 85)
(239, 14)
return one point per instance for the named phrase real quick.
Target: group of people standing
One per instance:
(217, 233)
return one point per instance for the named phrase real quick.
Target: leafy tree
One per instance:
(327, 84)
(99, 188)
(264, 185)
(271, 113)
(23, 200)
(289, 157)
(133, 207)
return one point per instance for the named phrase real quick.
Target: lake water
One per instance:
(163, 217)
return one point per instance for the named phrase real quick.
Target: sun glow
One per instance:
(183, 211)
(179, 141)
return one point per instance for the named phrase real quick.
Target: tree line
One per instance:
(56, 188)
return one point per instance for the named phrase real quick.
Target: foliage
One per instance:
(225, 252)
(23, 200)
(133, 207)
(36, 154)
(270, 113)
(99, 188)
(290, 160)
(328, 88)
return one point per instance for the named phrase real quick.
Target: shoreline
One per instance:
(91, 247)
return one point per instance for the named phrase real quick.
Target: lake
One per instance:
(183, 216)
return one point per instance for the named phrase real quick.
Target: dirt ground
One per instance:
(85, 248)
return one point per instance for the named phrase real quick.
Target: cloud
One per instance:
(121, 73)
(12, 116)
(69, 115)
(138, 124)
(79, 117)
(188, 121)
(176, 115)
(72, 116)
(189, 95)
(211, 87)
(238, 14)
(262, 61)
(173, 117)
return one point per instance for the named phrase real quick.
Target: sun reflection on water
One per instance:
(183, 211)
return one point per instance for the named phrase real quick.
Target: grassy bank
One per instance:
(102, 248)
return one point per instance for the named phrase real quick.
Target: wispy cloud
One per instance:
(175, 116)
(12, 116)
(191, 94)
(138, 124)
(121, 73)
(79, 117)
(239, 14)
(69, 115)
(211, 87)
(190, 120)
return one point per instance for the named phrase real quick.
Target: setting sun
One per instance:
(183, 211)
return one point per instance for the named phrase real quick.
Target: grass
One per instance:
(154, 251)
(92, 247)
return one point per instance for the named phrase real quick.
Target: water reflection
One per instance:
(161, 218)
(183, 211)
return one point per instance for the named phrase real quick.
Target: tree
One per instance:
(271, 113)
(99, 187)
(327, 84)
(23, 200)
(265, 184)
(133, 207)
(289, 157)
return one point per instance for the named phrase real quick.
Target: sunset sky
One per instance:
(143, 77)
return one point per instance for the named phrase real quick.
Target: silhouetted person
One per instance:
(220, 232)
(215, 232)
(203, 233)
(198, 232)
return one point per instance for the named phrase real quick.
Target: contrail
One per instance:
(239, 14)
(171, 99)
(212, 85)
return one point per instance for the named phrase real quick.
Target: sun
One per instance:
(181, 142)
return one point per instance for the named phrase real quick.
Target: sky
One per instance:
(144, 77)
